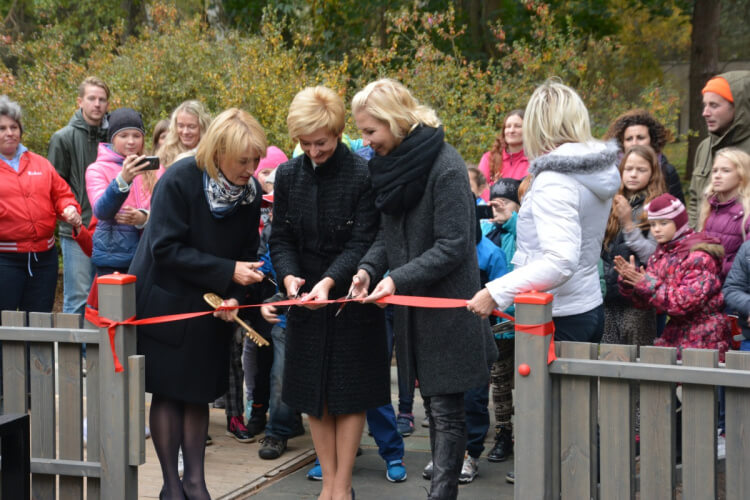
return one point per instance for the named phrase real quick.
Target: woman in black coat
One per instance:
(427, 243)
(324, 220)
(199, 239)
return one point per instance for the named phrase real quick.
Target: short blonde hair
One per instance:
(227, 138)
(94, 82)
(172, 147)
(314, 108)
(389, 101)
(555, 115)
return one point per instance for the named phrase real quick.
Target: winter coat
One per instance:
(515, 166)
(638, 243)
(31, 201)
(736, 288)
(683, 280)
(431, 251)
(184, 253)
(71, 150)
(725, 223)
(671, 178)
(737, 135)
(491, 259)
(504, 236)
(324, 220)
(570, 199)
(114, 243)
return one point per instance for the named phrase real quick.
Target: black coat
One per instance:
(183, 253)
(324, 220)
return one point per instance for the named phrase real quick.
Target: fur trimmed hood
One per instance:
(593, 164)
(713, 249)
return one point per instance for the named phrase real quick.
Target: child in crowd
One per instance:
(737, 292)
(682, 279)
(726, 204)
(478, 183)
(505, 201)
(627, 235)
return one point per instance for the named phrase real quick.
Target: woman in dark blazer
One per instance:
(427, 242)
(200, 238)
(324, 220)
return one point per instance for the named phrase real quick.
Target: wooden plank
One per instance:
(555, 428)
(578, 455)
(93, 484)
(71, 407)
(657, 428)
(66, 467)
(14, 332)
(657, 373)
(617, 429)
(699, 430)
(137, 391)
(737, 432)
(532, 399)
(14, 366)
(43, 421)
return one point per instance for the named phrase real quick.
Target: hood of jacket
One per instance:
(593, 164)
(95, 132)
(739, 130)
(105, 153)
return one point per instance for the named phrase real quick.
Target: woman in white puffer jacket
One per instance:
(563, 216)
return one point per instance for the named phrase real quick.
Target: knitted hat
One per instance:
(274, 157)
(505, 188)
(719, 85)
(124, 119)
(668, 207)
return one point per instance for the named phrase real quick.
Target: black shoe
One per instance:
(257, 423)
(209, 441)
(220, 402)
(236, 428)
(503, 446)
(271, 448)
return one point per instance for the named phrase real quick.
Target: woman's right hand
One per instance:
(292, 285)
(269, 313)
(133, 165)
(247, 273)
(623, 212)
(360, 285)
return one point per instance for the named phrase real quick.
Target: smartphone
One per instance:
(153, 163)
(484, 212)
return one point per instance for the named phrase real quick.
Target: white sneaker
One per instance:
(180, 463)
(427, 471)
(469, 469)
(426, 422)
(721, 446)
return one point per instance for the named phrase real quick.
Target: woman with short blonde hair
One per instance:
(187, 125)
(316, 108)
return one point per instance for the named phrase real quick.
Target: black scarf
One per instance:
(399, 178)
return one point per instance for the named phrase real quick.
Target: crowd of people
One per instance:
(603, 225)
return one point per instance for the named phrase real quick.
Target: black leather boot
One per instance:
(503, 446)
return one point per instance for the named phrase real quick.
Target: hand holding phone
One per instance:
(151, 162)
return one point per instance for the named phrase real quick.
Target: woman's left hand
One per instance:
(384, 288)
(131, 216)
(227, 315)
(631, 275)
(71, 216)
(482, 304)
(319, 292)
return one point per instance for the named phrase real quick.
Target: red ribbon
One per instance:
(542, 330)
(92, 315)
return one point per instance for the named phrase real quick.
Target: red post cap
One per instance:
(537, 298)
(524, 370)
(115, 279)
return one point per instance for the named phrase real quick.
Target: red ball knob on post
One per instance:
(524, 369)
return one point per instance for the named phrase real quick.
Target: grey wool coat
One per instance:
(431, 251)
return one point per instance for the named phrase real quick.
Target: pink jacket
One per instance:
(515, 166)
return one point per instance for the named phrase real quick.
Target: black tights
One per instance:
(176, 424)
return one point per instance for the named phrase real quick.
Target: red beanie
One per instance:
(719, 85)
(668, 207)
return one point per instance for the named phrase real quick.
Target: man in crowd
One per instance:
(726, 109)
(71, 150)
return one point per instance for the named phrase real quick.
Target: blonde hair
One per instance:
(172, 146)
(227, 138)
(555, 115)
(741, 162)
(94, 82)
(389, 101)
(314, 108)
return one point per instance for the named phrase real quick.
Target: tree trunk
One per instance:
(704, 63)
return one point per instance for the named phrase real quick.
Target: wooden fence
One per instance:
(45, 356)
(575, 430)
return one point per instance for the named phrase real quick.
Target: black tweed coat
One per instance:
(185, 252)
(431, 251)
(324, 220)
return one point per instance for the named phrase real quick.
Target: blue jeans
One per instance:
(584, 327)
(281, 418)
(78, 274)
(405, 393)
(382, 423)
(29, 281)
(476, 402)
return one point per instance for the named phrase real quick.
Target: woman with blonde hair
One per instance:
(324, 220)
(427, 244)
(200, 238)
(187, 125)
(574, 178)
(725, 207)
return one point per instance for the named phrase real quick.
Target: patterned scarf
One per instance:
(223, 197)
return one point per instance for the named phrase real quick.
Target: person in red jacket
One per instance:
(32, 197)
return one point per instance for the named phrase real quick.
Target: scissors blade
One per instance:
(341, 307)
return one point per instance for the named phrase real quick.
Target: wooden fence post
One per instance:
(533, 398)
(116, 302)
